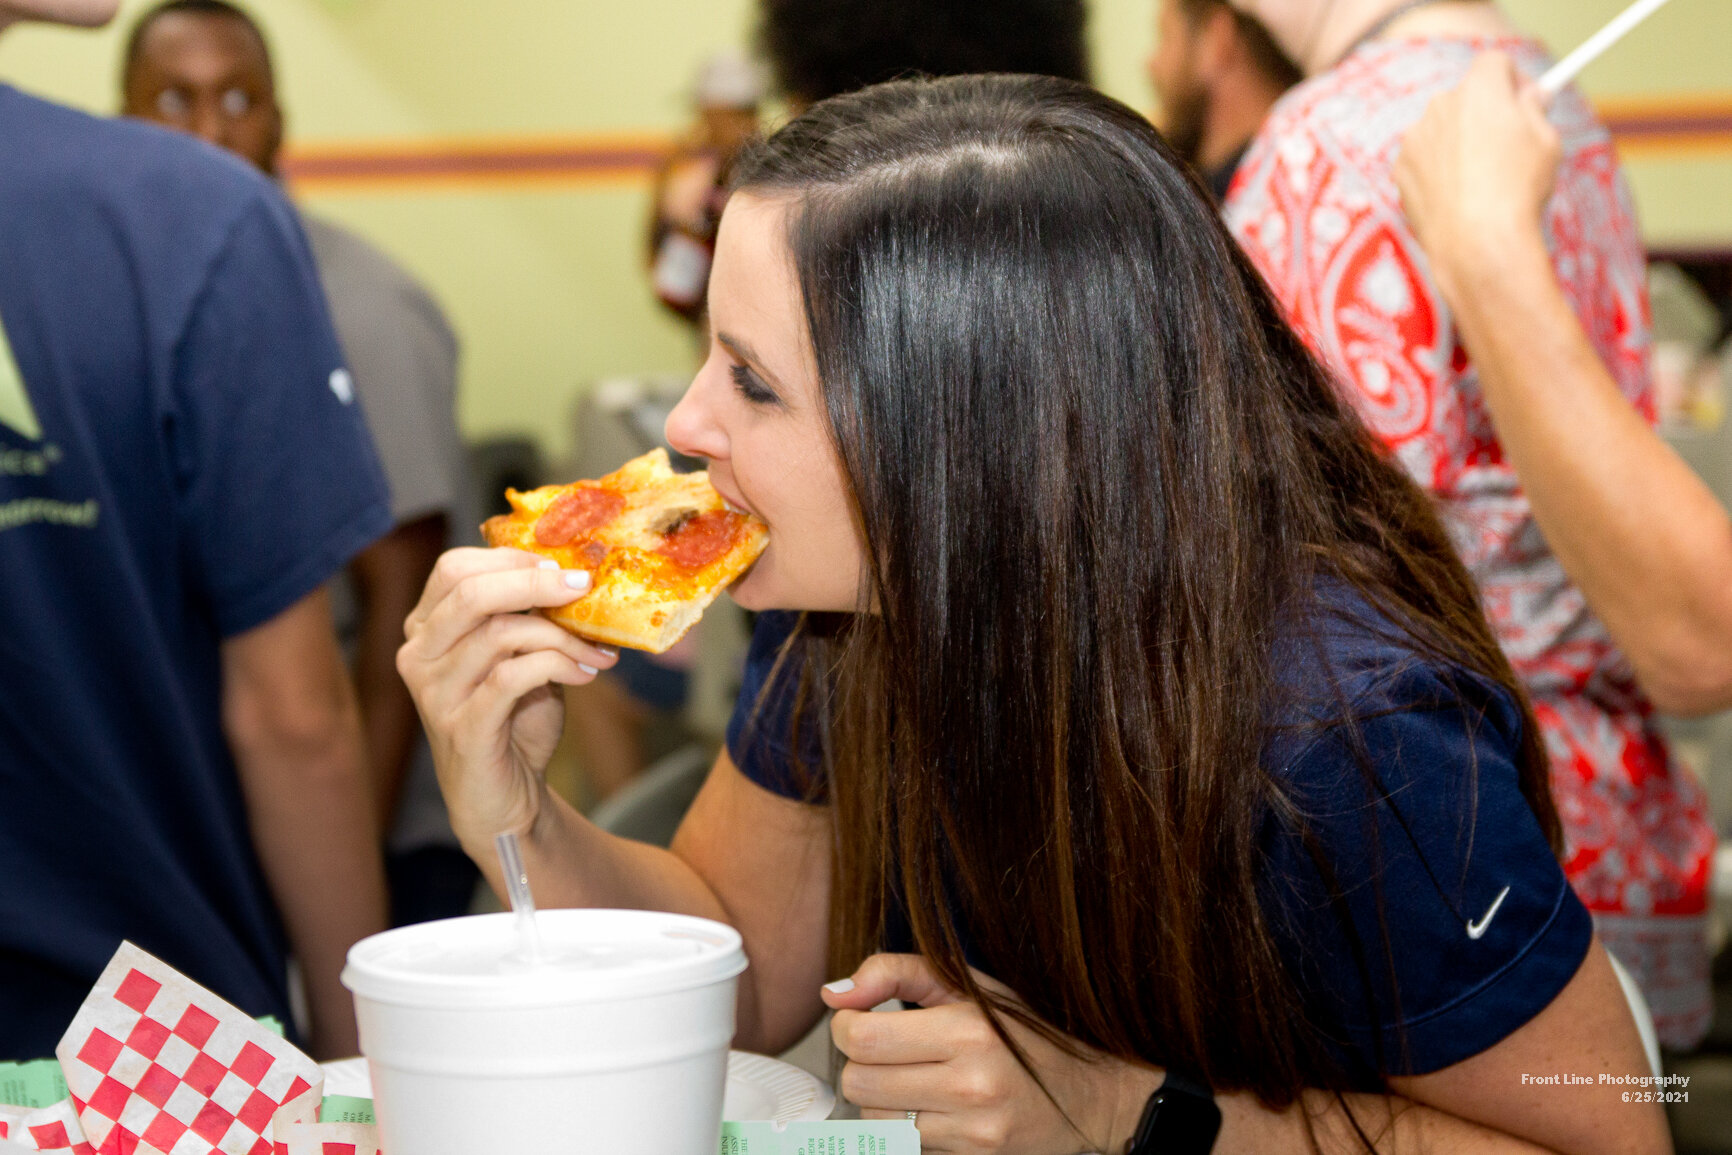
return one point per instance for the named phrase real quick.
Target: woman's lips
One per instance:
(740, 507)
(733, 502)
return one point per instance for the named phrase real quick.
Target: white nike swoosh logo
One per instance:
(1476, 930)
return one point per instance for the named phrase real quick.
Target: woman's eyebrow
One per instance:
(744, 352)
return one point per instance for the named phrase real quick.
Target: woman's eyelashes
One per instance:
(752, 387)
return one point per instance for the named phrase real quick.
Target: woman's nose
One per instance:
(692, 428)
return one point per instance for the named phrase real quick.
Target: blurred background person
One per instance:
(691, 187)
(819, 48)
(1217, 73)
(1645, 539)
(1317, 208)
(204, 67)
(180, 753)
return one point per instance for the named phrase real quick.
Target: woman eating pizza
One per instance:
(1113, 703)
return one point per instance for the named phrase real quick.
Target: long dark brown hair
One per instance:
(1096, 474)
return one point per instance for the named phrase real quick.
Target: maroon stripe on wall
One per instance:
(1694, 125)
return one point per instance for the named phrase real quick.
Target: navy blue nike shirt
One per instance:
(1483, 928)
(180, 462)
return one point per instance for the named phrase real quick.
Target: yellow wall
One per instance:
(1680, 56)
(542, 277)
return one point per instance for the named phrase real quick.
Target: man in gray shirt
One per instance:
(203, 67)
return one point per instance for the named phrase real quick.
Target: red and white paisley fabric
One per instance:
(1315, 205)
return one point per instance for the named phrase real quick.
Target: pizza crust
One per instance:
(640, 598)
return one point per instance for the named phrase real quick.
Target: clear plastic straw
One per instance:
(1566, 70)
(522, 902)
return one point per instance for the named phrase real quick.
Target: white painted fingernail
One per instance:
(577, 579)
(610, 651)
(588, 669)
(547, 563)
(840, 986)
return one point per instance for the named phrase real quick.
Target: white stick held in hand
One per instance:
(1567, 69)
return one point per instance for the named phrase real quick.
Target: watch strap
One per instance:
(1180, 1118)
(1186, 1084)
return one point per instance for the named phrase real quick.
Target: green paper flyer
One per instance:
(34, 1084)
(345, 1109)
(897, 1137)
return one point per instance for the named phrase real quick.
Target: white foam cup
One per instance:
(618, 1044)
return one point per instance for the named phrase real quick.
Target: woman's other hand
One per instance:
(486, 674)
(1476, 171)
(945, 1061)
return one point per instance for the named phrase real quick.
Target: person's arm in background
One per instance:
(1647, 542)
(289, 712)
(388, 577)
(403, 356)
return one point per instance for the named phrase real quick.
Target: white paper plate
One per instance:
(759, 1089)
(762, 1088)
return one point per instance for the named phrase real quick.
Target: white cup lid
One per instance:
(593, 956)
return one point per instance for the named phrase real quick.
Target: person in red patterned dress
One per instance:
(1316, 206)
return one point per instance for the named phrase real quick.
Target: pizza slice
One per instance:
(660, 546)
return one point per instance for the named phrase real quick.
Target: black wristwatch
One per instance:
(1181, 1119)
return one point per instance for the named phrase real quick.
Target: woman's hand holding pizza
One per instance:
(946, 1062)
(486, 674)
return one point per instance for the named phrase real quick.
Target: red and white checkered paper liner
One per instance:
(45, 1129)
(327, 1139)
(157, 1065)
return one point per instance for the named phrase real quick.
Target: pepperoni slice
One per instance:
(702, 539)
(575, 513)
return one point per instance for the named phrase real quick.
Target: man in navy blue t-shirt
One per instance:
(181, 469)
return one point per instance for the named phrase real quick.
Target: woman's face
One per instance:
(756, 412)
